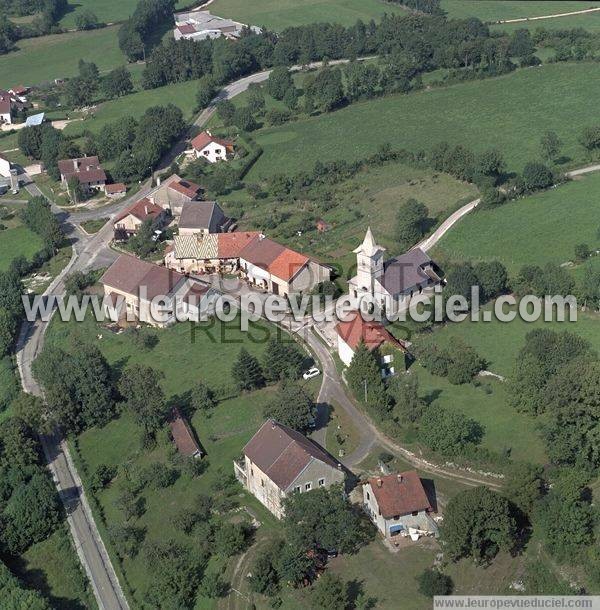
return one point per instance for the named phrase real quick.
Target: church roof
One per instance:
(408, 272)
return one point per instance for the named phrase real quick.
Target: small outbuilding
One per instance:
(183, 436)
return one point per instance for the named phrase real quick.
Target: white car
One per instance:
(312, 372)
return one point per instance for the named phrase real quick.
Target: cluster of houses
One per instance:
(11, 102)
(200, 25)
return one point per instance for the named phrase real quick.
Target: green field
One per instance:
(16, 240)
(538, 229)
(279, 14)
(494, 10)
(40, 60)
(510, 113)
(589, 21)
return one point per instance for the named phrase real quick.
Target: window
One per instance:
(321, 482)
(308, 487)
(368, 496)
(415, 513)
(262, 482)
(297, 489)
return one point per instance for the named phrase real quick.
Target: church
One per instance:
(391, 283)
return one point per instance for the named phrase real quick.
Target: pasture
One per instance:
(494, 10)
(40, 60)
(279, 14)
(16, 240)
(509, 113)
(539, 229)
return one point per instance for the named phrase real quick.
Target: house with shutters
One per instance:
(87, 170)
(129, 221)
(212, 149)
(398, 505)
(279, 461)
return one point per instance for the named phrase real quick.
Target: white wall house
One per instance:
(206, 146)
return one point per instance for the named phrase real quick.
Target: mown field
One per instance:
(279, 14)
(494, 10)
(16, 239)
(509, 113)
(535, 230)
(40, 60)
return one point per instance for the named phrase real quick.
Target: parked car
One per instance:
(313, 371)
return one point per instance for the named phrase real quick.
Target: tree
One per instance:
(255, 99)
(207, 91)
(144, 396)
(295, 564)
(582, 252)
(537, 176)
(326, 89)
(550, 146)
(31, 514)
(292, 407)
(8, 329)
(226, 112)
(117, 83)
(411, 223)
(33, 411)
(247, 372)
(86, 20)
(230, 539)
(524, 486)
(492, 278)
(408, 405)
(329, 593)
(133, 507)
(280, 80)
(464, 364)
(203, 398)
(16, 596)
(478, 523)
(491, 163)
(265, 576)
(521, 44)
(213, 586)
(448, 432)
(127, 539)
(244, 119)
(282, 360)
(142, 243)
(76, 190)
(364, 379)
(432, 582)
(323, 519)
(590, 139)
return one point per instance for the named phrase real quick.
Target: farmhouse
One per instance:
(115, 191)
(130, 285)
(87, 170)
(398, 505)
(5, 108)
(200, 25)
(206, 146)
(183, 435)
(259, 260)
(129, 221)
(201, 217)
(174, 192)
(355, 330)
(392, 283)
(279, 461)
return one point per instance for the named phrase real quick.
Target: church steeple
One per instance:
(369, 247)
(369, 262)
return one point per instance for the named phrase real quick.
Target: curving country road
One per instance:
(92, 252)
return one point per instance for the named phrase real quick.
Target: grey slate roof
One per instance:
(202, 215)
(407, 272)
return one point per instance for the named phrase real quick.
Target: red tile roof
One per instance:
(399, 494)
(4, 105)
(282, 453)
(189, 189)
(287, 264)
(118, 187)
(186, 28)
(204, 138)
(87, 169)
(141, 210)
(232, 244)
(183, 435)
(372, 334)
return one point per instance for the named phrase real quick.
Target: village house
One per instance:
(200, 25)
(392, 283)
(202, 217)
(183, 435)
(115, 191)
(87, 170)
(5, 166)
(20, 92)
(174, 192)
(398, 505)
(279, 461)
(355, 330)
(6, 108)
(213, 149)
(129, 221)
(262, 262)
(131, 284)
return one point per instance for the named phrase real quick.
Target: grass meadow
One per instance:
(279, 14)
(542, 228)
(509, 113)
(16, 239)
(39, 60)
(494, 10)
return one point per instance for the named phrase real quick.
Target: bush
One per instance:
(537, 176)
(432, 583)
(158, 476)
(102, 476)
(582, 251)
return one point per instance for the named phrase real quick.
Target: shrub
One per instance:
(432, 583)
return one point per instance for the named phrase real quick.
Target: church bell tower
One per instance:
(369, 263)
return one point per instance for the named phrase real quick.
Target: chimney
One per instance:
(75, 164)
(399, 478)
(379, 482)
(146, 210)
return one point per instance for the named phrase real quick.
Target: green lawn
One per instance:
(510, 113)
(52, 567)
(279, 14)
(40, 60)
(180, 94)
(494, 10)
(16, 240)
(538, 229)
